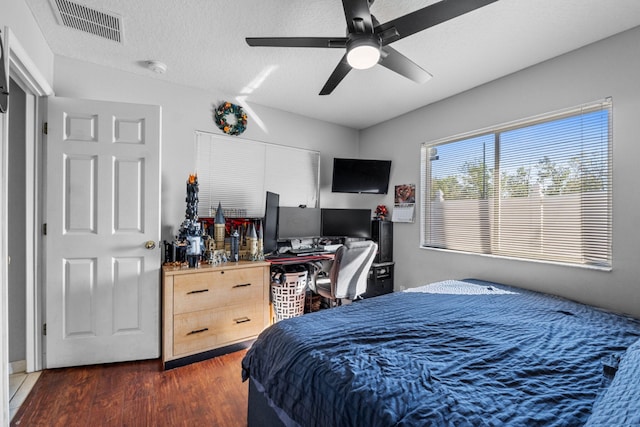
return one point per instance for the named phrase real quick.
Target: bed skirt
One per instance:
(260, 413)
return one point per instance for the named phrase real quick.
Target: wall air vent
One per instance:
(75, 15)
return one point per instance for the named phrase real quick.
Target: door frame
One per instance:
(24, 72)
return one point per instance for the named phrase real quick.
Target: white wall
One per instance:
(607, 68)
(17, 15)
(185, 110)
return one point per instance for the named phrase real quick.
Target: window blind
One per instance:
(237, 173)
(536, 189)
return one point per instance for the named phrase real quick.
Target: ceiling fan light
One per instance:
(363, 53)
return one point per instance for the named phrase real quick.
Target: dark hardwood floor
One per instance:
(208, 393)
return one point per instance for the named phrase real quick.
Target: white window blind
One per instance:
(294, 174)
(237, 173)
(538, 189)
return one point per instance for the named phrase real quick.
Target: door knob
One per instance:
(150, 244)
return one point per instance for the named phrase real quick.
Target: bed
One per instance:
(452, 353)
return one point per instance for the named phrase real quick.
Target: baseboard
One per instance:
(199, 357)
(17, 366)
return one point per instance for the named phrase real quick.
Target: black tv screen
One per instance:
(360, 176)
(298, 223)
(346, 223)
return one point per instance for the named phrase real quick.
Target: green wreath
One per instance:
(222, 116)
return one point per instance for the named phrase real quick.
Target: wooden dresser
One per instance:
(208, 310)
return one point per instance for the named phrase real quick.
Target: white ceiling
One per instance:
(202, 43)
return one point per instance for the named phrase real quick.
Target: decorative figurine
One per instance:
(252, 241)
(210, 250)
(381, 212)
(260, 242)
(190, 232)
(205, 241)
(235, 241)
(218, 227)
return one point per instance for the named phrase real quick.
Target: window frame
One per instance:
(496, 131)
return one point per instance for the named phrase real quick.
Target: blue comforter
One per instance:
(502, 356)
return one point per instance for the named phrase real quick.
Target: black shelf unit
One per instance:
(380, 280)
(382, 234)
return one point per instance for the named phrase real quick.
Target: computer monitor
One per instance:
(346, 223)
(270, 222)
(298, 223)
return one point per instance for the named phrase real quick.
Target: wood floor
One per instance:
(208, 393)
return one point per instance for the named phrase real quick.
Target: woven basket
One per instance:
(288, 297)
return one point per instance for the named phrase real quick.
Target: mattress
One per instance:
(454, 353)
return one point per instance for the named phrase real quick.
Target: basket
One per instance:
(288, 297)
(312, 303)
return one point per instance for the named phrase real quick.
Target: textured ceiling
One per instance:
(202, 43)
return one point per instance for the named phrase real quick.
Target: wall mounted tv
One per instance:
(360, 176)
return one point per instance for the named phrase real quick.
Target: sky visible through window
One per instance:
(562, 155)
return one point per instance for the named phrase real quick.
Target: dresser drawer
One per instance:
(214, 289)
(206, 329)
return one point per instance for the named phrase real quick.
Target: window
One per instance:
(539, 189)
(237, 173)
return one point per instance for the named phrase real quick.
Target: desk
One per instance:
(286, 259)
(309, 263)
(379, 282)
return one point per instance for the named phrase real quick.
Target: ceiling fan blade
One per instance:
(330, 42)
(426, 17)
(358, 16)
(336, 77)
(395, 61)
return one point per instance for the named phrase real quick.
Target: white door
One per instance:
(102, 287)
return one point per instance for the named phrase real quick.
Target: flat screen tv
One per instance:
(360, 176)
(346, 223)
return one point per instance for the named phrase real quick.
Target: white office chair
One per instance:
(347, 278)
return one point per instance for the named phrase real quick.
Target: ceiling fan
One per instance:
(367, 41)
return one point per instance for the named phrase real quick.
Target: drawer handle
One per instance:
(198, 291)
(197, 331)
(242, 320)
(242, 285)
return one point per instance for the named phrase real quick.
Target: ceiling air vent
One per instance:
(92, 21)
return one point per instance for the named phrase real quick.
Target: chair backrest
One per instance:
(351, 267)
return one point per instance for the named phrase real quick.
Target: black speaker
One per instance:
(382, 234)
